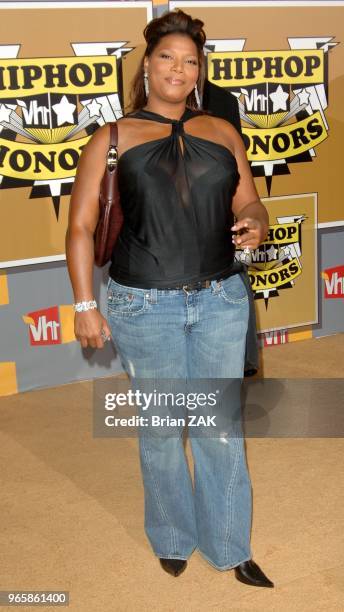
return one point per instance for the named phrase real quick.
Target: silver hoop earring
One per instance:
(145, 81)
(198, 100)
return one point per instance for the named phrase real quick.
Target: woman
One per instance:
(177, 308)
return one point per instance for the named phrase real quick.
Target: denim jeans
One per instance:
(174, 334)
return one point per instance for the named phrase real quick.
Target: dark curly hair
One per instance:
(172, 22)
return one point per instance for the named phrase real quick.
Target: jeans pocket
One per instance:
(233, 290)
(125, 301)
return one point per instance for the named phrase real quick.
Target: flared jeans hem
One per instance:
(218, 567)
(223, 567)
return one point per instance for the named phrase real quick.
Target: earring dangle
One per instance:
(198, 100)
(145, 81)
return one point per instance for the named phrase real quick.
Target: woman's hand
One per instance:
(250, 233)
(88, 326)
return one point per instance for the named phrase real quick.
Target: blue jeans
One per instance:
(172, 334)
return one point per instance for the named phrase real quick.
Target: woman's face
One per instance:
(172, 68)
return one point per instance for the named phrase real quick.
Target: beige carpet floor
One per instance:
(72, 509)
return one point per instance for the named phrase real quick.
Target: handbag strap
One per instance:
(112, 156)
(113, 133)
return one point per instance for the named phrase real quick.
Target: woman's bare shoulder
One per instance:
(100, 139)
(222, 125)
(102, 133)
(221, 131)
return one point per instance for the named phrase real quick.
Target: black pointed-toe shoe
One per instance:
(250, 573)
(173, 566)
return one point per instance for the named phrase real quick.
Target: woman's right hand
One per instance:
(88, 325)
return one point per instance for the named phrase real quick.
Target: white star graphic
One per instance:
(279, 99)
(271, 253)
(64, 111)
(303, 96)
(245, 257)
(285, 251)
(94, 108)
(5, 113)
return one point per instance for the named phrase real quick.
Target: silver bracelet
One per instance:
(81, 306)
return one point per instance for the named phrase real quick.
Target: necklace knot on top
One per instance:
(177, 126)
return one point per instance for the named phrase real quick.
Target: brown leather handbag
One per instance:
(110, 219)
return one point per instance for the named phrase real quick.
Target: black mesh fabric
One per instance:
(176, 194)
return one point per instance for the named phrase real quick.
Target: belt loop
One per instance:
(217, 285)
(154, 296)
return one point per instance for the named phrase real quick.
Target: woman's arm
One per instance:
(82, 221)
(252, 216)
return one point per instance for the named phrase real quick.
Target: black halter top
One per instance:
(177, 209)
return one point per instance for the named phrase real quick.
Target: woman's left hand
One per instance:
(250, 233)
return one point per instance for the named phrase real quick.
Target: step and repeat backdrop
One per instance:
(65, 70)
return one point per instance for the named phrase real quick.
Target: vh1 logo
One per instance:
(334, 282)
(272, 338)
(44, 326)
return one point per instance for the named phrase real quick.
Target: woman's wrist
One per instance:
(84, 305)
(257, 212)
